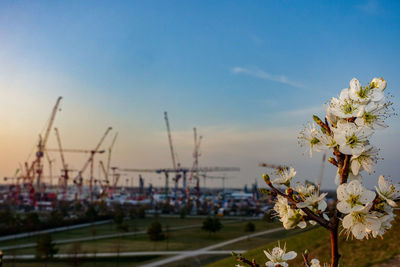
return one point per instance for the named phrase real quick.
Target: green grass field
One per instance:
(109, 228)
(355, 253)
(186, 239)
(316, 240)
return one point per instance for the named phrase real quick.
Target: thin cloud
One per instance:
(266, 76)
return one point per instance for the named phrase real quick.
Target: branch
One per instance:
(242, 259)
(333, 161)
(305, 259)
(324, 126)
(311, 215)
(345, 170)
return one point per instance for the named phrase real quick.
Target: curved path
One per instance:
(121, 254)
(205, 250)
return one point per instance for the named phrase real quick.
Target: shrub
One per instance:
(211, 225)
(155, 232)
(250, 227)
(45, 248)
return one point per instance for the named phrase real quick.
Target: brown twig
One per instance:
(333, 161)
(322, 124)
(305, 259)
(251, 263)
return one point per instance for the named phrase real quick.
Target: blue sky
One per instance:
(247, 74)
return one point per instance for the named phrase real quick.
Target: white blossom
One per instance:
(350, 138)
(315, 263)
(343, 107)
(374, 116)
(386, 221)
(353, 196)
(314, 201)
(284, 176)
(362, 222)
(314, 139)
(308, 137)
(378, 83)
(389, 192)
(331, 118)
(281, 206)
(364, 94)
(304, 190)
(278, 256)
(289, 217)
(365, 161)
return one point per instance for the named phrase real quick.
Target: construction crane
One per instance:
(195, 168)
(74, 150)
(65, 171)
(170, 140)
(36, 166)
(50, 161)
(105, 187)
(90, 161)
(109, 155)
(273, 166)
(174, 165)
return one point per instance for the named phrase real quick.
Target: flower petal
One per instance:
(289, 256)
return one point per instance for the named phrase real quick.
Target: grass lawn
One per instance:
(178, 240)
(185, 239)
(104, 229)
(111, 262)
(355, 253)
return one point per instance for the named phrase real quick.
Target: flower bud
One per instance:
(378, 83)
(266, 178)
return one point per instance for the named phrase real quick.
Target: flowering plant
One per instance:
(350, 121)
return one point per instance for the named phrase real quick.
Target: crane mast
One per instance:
(65, 176)
(195, 169)
(36, 165)
(174, 165)
(171, 147)
(109, 155)
(90, 160)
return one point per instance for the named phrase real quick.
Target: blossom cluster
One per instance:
(352, 118)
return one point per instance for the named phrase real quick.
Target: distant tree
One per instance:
(45, 248)
(6, 216)
(250, 227)
(118, 217)
(133, 213)
(155, 232)
(55, 219)
(141, 212)
(91, 212)
(211, 225)
(31, 222)
(78, 206)
(103, 209)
